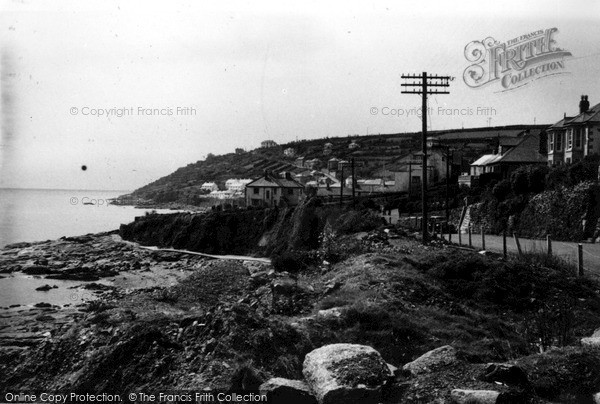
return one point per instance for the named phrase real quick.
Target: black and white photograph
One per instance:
(315, 202)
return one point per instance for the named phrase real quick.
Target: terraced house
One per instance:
(573, 138)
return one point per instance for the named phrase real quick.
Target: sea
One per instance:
(47, 214)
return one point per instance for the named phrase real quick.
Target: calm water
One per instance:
(38, 215)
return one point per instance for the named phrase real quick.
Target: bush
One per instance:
(355, 221)
(501, 190)
(537, 179)
(519, 181)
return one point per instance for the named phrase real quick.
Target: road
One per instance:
(565, 250)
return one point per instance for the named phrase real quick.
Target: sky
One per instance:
(134, 90)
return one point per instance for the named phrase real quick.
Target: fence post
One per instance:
(517, 243)
(482, 239)
(504, 243)
(580, 258)
(470, 241)
(549, 244)
(449, 235)
(459, 235)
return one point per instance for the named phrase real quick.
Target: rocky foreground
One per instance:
(392, 322)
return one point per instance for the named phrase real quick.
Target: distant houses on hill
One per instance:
(384, 163)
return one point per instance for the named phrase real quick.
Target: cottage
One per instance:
(270, 191)
(529, 151)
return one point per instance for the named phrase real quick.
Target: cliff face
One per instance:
(237, 232)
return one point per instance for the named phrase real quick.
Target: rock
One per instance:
(80, 276)
(393, 370)
(596, 398)
(460, 396)
(332, 287)
(510, 375)
(42, 305)
(46, 288)
(33, 269)
(280, 390)
(345, 373)
(432, 360)
(591, 341)
(334, 312)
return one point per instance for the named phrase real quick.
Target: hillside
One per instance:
(373, 152)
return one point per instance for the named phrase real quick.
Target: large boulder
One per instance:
(283, 391)
(460, 396)
(593, 341)
(345, 373)
(432, 360)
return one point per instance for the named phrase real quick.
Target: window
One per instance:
(577, 137)
(559, 138)
(255, 191)
(551, 142)
(274, 191)
(291, 191)
(570, 139)
(268, 194)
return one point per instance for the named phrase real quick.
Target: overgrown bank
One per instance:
(536, 201)
(263, 231)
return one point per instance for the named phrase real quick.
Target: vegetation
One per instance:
(535, 201)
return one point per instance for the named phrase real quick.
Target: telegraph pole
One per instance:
(419, 85)
(353, 183)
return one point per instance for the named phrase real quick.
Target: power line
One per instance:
(421, 84)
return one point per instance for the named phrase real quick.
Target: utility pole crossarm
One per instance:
(419, 85)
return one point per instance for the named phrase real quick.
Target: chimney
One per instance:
(584, 104)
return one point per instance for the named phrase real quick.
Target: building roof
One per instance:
(527, 151)
(486, 159)
(591, 115)
(273, 182)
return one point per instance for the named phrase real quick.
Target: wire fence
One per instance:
(583, 257)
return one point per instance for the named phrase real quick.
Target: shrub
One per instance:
(501, 190)
(537, 179)
(368, 317)
(355, 221)
(519, 181)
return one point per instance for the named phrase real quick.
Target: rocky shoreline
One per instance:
(401, 330)
(99, 266)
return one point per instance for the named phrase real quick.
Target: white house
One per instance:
(237, 184)
(210, 186)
